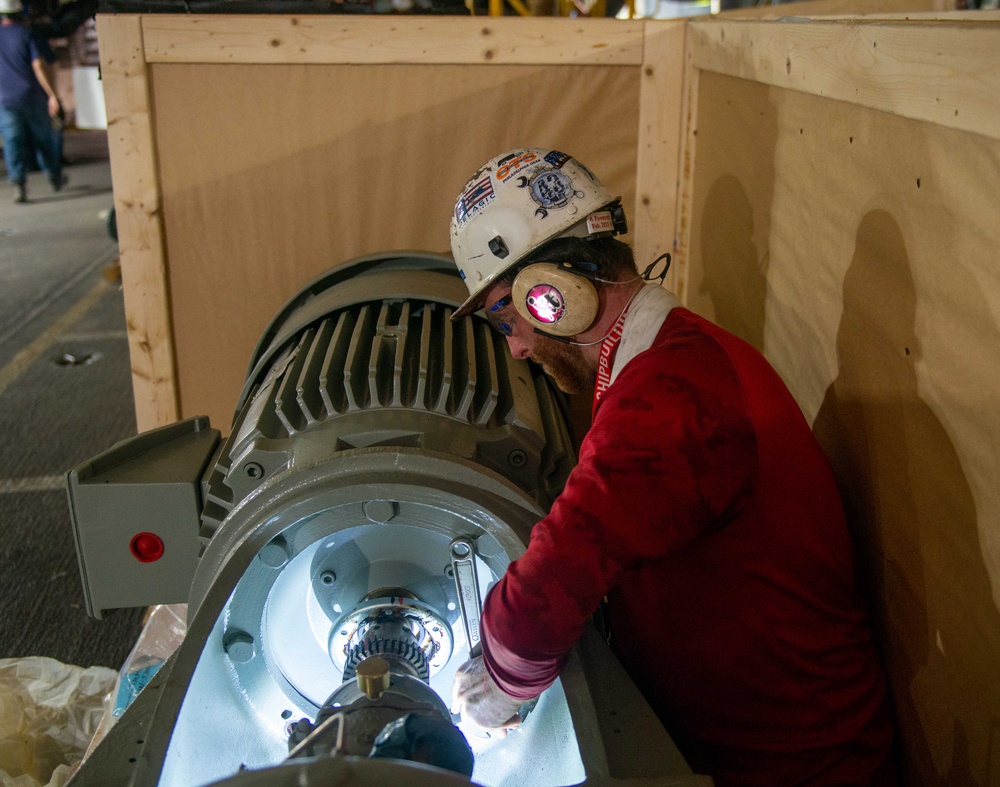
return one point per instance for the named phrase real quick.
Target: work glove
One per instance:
(477, 697)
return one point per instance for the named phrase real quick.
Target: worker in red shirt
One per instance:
(701, 507)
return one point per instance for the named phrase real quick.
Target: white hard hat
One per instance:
(519, 201)
(11, 6)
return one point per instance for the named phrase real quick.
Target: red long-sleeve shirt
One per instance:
(703, 508)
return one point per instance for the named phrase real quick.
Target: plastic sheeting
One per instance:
(49, 712)
(52, 715)
(161, 635)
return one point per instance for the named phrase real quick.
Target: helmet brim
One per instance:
(477, 300)
(473, 304)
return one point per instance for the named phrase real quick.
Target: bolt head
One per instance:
(239, 646)
(379, 511)
(517, 458)
(275, 553)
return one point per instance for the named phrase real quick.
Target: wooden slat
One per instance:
(138, 211)
(657, 174)
(830, 7)
(947, 73)
(975, 17)
(365, 41)
(678, 279)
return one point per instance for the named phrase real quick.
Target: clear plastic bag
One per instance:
(49, 712)
(161, 635)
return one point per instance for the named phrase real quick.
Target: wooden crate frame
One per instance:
(130, 44)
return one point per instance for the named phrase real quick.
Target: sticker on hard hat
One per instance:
(510, 166)
(600, 222)
(557, 159)
(545, 303)
(475, 197)
(552, 189)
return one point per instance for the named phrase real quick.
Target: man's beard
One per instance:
(565, 364)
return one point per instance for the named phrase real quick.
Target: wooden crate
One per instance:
(841, 211)
(251, 154)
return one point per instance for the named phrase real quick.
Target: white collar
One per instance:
(649, 309)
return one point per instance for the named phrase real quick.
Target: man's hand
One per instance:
(476, 696)
(43, 73)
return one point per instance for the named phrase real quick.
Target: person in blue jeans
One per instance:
(28, 102)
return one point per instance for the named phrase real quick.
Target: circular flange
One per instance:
(431, 632)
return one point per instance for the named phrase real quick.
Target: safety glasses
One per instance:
(501, 315)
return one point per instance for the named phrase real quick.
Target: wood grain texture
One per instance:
(857, 250)
(419, 40)
(272, 175)
(942, 72)
(138, 210)
(813, 8)
(657, 154)
(686, 165)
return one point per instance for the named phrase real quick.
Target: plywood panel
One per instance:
(273, 174)
(943, 71)
(858, 250)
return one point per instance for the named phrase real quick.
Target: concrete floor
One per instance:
(56, 305)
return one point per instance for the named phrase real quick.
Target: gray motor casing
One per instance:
(148, 484)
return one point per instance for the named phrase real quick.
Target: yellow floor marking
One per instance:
(20, 362)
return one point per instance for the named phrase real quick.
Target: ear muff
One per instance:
(556, 299)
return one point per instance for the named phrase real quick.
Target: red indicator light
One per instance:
(146, 547)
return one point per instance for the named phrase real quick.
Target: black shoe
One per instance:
(21, 195)
(58, 182)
